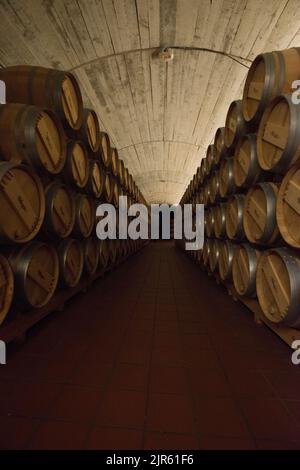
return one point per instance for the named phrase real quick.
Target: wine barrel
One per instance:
(71, 260)
(6, 288)
(246, 170)
(206, 193)
(288, 207)
(244, 268)
(270, 75)
(259, 217)
(234, 217)
(219, 143)
(278, 286)
(60, 210)
(85, 214)
(105, 149)
(126, 180)
(46, 88)
(36, 271)
(115, 167)
(90, 255)
(89, 131)
(235, 126)
(22, 203)
(209, 222)
(202, 174)
(214, 187)
(220, 220)
(278, 137)
(108, 188)
(210, 159)
(121, 172)
(206, 252)
(34, 135)
(96, 179)
(116, 194)
(226, 253)
(103, 253)
(226, 179)
(76, 171)
(214, 254)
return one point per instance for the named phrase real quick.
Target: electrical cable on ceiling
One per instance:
(213, 51)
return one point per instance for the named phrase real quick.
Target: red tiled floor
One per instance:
(76, 403)
(171, 362)
(59, 435)
(220, 417)
(268, 419)
(226, 443)
(122, 408)
(114, 439)
(165, 379)
(170, 413)
(15, 432)
(129, 377)
(167, 441)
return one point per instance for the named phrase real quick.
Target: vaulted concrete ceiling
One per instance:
(160, 116)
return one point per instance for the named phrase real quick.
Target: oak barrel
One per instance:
(219, 143)
(214, 187)
(234, 217)
(278, 286)
(244, 268)
(115, 167)
(108, 188)
(226, 253)
(235, 126)
(259, 217)
(60, 210)
(214, 254)
(226, 179)
(71, 259)
(270, 75)
(220, 220)
(34, 135)
(103, 253)
(6, 288)
(46, 88)
(105, 149)
(76, 171)
(22, 203)
(36, 272)
(96, 179)
(246, 170)
(278, 137)
(89, 131)
(209, 217)
(90, 255)
(85, 216)
(210, 158)
(206, 251)
(288, 207)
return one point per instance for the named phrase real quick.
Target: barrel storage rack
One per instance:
(249, 182)
(56, 166)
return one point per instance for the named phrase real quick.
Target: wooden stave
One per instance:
(220, 220)
(252, 261)
(62, 251)
(227, 167)
(47, 92)
(19, 260)
(241, 127)
(6, 289)
(21, 124)
(68, 175)
(5, 169)
(291, 152)
(239, 232)
(255, 172)
(291, 261)
(231, 248)
(281, 207)
(48, 227)
(270, 233)
(278, 80)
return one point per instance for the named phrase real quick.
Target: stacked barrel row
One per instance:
(56, 167)
(250, 185)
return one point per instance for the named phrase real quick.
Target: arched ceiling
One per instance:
(160, 116)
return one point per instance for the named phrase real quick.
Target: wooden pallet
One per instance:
(288, 335)
(18, 324)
